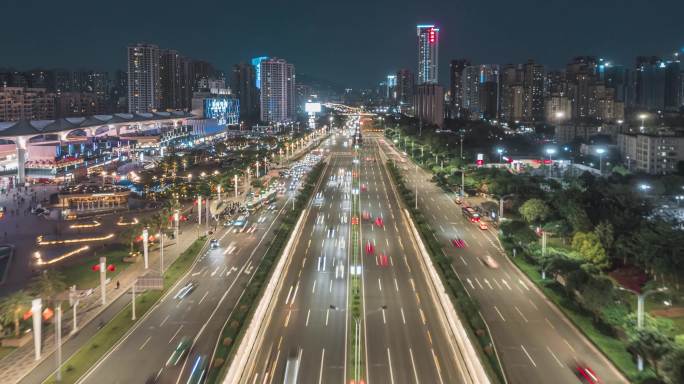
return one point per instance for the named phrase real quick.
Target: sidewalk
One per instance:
(21, 362)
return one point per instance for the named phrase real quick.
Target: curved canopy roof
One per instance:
(39, 127)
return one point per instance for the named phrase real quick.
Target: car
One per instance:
(586, 374)
(214, 243)
(490, 262)
(483, 226)
(383, 260)
(186, 290)
(198, 369)
(180, 351)
(458, 243)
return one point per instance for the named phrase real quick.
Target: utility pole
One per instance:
(235, 180)
(161, 251)
(133, 300)
(199, 210)
(416, 186)
(103, 277)
(58, 338)
(462, 182)
(543, 253)
(146, 247)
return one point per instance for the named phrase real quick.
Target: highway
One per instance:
(221, 275)
(404, 340)
(535, 341)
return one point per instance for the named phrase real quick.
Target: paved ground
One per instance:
(536, 342)
(403, 338)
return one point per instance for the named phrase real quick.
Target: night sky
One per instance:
(350, 42)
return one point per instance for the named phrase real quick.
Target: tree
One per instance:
(673, 366)
(588, 246)
(597, 293)
(12, 309)
(651, 344)
(48, 285)
(534, 210)
(604, 232)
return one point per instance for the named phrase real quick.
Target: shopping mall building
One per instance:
(60, 149)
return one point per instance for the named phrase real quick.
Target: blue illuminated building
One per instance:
(225, 110)
(256, 62)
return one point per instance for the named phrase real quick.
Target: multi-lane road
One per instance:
(535, 341)
(404, 339)
(220, 275)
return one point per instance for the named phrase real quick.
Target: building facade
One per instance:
(405, 87)
(176, 81)
(277, 97)
(428, 54)
(428, 104)
(651, 153)
(243, 86)
(456, 69)
(144, 90)
(18, 103)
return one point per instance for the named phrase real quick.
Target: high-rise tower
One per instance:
(428, 54)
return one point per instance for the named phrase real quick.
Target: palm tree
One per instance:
(48, 285)
(13, 307)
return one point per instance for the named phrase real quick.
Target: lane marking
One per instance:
(164, 321)
(203, 297)
(554, 356)
(521, 314)
(308, 313)
(499, 312)
(389, 360)
(320, 372)
(528, 355)
(413, 364)
(439, 370)
(403, 318)
(145, 343)
(175, 334)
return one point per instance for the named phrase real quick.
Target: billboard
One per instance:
(225, 110)
(312, 107)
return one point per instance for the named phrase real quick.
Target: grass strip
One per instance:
(91, 352)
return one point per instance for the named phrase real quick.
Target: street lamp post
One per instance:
(600, 152)
(550, 152)
(500, 152)
(641, 303)
(642, 117)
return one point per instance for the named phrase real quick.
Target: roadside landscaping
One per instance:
(466, 307)
(605, 244)
(80, 273)
(234, 327)
(114, 330)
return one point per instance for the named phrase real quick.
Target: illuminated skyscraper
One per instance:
(428, 54)
(144, 90)
(277, 91)
(256, 62)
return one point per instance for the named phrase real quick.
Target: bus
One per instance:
(292, 368)
(471, 214)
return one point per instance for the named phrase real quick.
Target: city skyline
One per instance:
(605, 32)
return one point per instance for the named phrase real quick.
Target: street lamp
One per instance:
(600, 152)
(500, 151)
(642, 117)
(641, 301)
(550, 152)
(644, 187)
